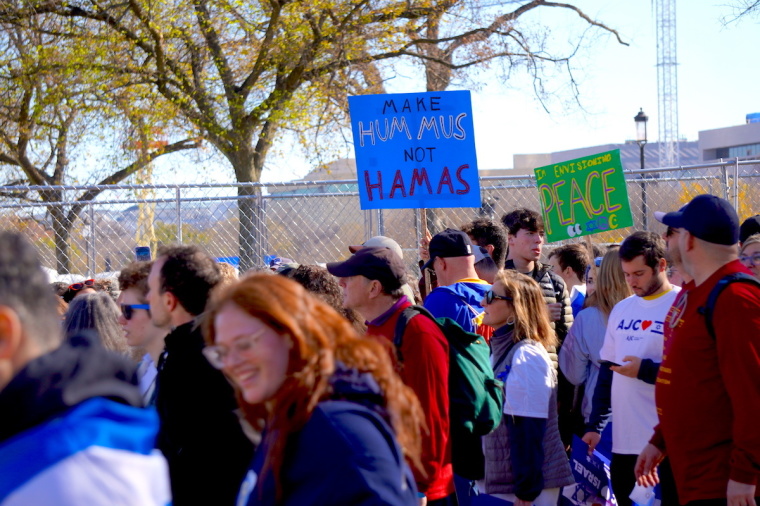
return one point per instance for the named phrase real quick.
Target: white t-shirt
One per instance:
(635, 327)
(528, 388)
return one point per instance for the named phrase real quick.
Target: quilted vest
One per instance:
(556, 469)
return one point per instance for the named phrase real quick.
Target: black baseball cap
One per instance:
(377, 263)
(707, 217)
(449, 243)
(750, 226)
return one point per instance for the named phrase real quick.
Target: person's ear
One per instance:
(489, 248)
(662, 265)
(10, 333)
(687, 239)
(375, 289)
(170, 301)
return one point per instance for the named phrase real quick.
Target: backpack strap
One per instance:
(709, 308)
(403, 320)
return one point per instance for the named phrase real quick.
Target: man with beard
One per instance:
(707, 390)
(633, 350)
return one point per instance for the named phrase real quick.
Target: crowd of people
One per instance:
(333, 385)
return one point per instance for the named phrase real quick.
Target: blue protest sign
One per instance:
(415, 150)
(592, 476)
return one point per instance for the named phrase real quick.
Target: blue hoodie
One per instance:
(73, 431)
(345, 454)
(460, 302)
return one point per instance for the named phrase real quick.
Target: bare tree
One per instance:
(46, 112)
(242, 73)
(741, 9)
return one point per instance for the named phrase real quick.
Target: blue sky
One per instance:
(718, 76)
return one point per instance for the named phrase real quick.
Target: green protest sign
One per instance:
(584, 196)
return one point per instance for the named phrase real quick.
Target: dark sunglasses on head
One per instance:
(78, 286)
(489, 297)
(128, 310)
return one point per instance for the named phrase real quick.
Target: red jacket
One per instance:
(426, 371)
(708, 390)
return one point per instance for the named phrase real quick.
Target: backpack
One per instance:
(476, 398)
(709, 308)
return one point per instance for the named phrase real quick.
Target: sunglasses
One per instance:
(78, 286)
(128, 310)
(489, 297)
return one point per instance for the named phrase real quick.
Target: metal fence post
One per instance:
(263, 243)
(178, 197)
(726, 186)
(644, 206)
(380, 222)
(91, 253)
(736, 184)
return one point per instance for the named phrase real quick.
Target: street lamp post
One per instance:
(641, 139)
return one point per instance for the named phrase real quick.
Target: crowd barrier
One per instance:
(89, 230)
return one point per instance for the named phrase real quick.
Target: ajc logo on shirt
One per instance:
(653, 326)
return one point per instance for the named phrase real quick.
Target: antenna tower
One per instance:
(667, 82)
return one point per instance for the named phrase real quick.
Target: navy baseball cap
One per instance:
(377, 263)
(707, 217)
(449, 243)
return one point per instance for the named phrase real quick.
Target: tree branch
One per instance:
(217, 55)
(127, 171)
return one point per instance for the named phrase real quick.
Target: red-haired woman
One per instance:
(338, 421)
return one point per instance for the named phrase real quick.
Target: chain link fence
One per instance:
(90, 230)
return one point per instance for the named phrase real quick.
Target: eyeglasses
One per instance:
(489, 297)
(216, 355)
(128, 310)
(78, 286)
(750, 260)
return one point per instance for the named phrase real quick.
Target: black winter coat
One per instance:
(200, 432)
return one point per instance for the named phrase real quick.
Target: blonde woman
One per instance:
(525, 459)
(750, 254)
(579, 356)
